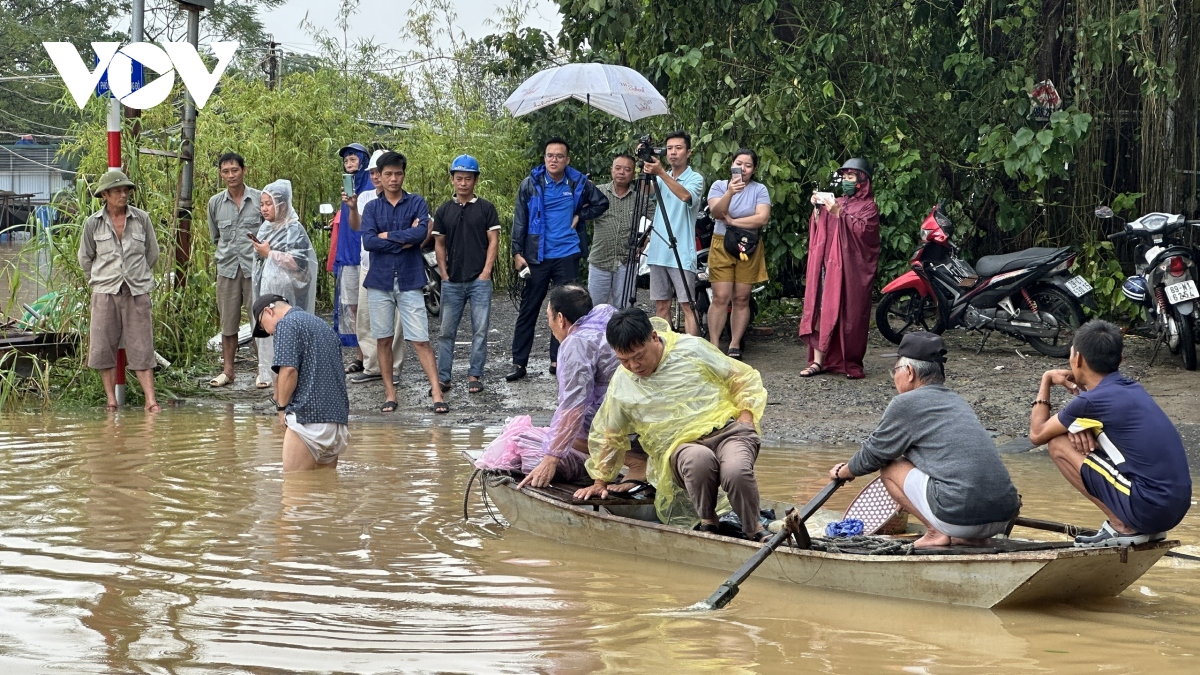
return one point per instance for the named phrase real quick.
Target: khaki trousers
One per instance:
(724, 458)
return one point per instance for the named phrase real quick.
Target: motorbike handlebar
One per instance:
(1117, 235)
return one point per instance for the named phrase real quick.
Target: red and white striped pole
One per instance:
(114, 162)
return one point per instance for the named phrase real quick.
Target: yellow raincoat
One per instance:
(695, 390)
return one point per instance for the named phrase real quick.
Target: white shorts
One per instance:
(326, 441)
(916, 488)
(666, 282)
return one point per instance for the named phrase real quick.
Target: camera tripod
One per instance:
(646, 187)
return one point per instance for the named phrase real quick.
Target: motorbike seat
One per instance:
(990, 265)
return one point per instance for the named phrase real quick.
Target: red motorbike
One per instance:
(1030, 295)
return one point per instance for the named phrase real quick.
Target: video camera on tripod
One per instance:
(646, 151)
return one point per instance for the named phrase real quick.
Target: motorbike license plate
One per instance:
(1182, 292)
(1078, 286)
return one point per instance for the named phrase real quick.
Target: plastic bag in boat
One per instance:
(517, 448)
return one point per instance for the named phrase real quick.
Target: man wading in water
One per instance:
(310, 387)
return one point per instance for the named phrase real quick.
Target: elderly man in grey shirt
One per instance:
(610, 235)
(117, 252)
(936, 459)
(233, 216)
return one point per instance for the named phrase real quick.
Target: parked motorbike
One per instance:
(433, 283)
(1030, 295)
(1164, 283)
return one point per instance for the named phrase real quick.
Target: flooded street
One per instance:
(175, 545)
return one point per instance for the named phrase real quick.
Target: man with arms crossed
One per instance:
(311, 388)
(610, 236)
(362, 325)
(696, 414)
(394, 226)
(1113, 443)
(233, 214)
(680, 190)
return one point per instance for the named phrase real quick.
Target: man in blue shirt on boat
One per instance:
(1113, 443)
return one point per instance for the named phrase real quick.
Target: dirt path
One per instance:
(999, 383)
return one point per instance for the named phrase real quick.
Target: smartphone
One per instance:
(826, 198)
(348, 184)
(253, 238)
(737, 171)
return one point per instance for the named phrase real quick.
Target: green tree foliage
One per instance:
(934, 94)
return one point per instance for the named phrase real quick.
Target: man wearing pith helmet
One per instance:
(117, 252)
(466, 233)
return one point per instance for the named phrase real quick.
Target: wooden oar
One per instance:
(794, 524)
(1075, 531)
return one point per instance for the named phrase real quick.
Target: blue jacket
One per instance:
(529, 217)
(349, 251)
(396, 260)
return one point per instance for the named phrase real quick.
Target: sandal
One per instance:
(734, 353)
(220, 380)
(812, 369)
(444, 386)
(156, 408)
(112, 407)
(474, 386)
(356, 366)
(262, 385)
(388, 406)
(440, 407)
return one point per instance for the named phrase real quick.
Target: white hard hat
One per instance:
(375, 158)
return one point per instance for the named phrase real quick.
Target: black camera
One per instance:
(646, 151)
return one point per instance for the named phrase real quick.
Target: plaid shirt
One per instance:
(610, 232)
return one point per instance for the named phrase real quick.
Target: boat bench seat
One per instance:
(566, 493)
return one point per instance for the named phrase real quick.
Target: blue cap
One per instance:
(464, 163)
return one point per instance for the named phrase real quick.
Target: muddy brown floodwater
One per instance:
(174, 545)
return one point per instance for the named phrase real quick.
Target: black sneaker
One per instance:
(517, 373)
(1107, 537)
(360, 378)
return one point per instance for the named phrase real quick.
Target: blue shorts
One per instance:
(1105, 483)
(410, 305)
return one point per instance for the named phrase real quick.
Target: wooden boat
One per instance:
(1012, 572)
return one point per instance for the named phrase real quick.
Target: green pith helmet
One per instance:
(113, 178)
(857, 164)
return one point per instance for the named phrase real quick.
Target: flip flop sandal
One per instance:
(262, 385)
(156, 408)
(638, 486)
(220, 380)
(474, 386)
(388, 406)
(356, 366)
(812, 369)
(445, 387)
(440, 407)
(112, 407)
(735, 353)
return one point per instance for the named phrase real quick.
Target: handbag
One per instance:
(740, 242)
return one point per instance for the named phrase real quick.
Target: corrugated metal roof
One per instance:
(37, 154)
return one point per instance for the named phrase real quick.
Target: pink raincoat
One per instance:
(843, 252)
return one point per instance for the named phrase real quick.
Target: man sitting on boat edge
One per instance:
(586, 363)
(935, 457)
(1113, 443)
(696, 412)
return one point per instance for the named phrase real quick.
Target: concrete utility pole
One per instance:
(272, 63)
(187, 151)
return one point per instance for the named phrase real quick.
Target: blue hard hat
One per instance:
(464, 163)
(1135, 288)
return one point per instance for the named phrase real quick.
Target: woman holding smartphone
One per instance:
(287, 264)
(843, 251)
(740, 207)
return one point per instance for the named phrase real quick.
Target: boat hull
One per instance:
(986, 580)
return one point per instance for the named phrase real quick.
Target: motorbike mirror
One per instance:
(326, 209)
(1104, 212)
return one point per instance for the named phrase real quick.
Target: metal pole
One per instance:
(114, 162)
(183, 239)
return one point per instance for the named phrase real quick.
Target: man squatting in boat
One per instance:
(1113, 443)
(696, 412)
(936, 459)
(586, 363)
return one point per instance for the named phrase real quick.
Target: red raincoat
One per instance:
(843, 252)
